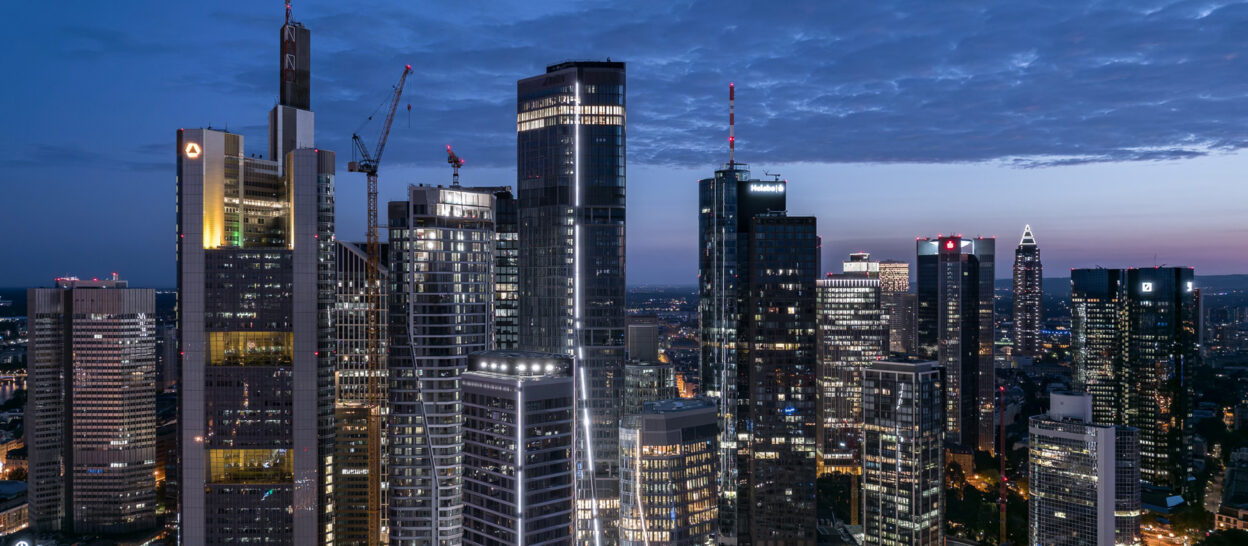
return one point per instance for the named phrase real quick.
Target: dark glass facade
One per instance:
(1096, 329)
(777, 369)
(726, 205)
(1028, 288)
(570, 172)
(1136, 343)
(903, 461)
(955, 326)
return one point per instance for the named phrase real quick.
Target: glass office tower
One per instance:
(1084, 477)
(727, 204)
(776, 380)
(518, 423)
(1136, 341)
(667, 474)
(570, 179)
(955, 326)
(360, 402)
(903, 459)
(853, 333)
(441, 289)
(1028, 289)
(1096, 329)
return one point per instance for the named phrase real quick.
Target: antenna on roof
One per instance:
(288, 13)
(732, 124)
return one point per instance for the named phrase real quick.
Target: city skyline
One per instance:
(848, 112)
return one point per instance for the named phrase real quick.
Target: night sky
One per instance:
(1115, 129)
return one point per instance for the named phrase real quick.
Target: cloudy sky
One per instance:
(1114, 128)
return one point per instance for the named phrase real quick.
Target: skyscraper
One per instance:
(955, 325)
(1028, 308)
(646, 382)
(778, 355)
(441, 289)
(506, 271)
(668, 465)
(727, 204)
(518, 442)
(643, 338)
(256, 290)
(853, 333)
(1135, 338)
(902, 458)
(360, 403)
(899, 305)
(91, 414)
(1084, 477)
(1163, 350)
(570, 125)
(1097, 300)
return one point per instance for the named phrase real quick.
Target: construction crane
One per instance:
(368, 164)
(456, 162)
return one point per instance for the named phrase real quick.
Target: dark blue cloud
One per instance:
(99, 89)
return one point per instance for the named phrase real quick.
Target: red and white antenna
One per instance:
(288, 13)
(732, 123)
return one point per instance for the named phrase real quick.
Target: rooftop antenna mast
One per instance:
(287, 13)
(456, 162)
(732, 124)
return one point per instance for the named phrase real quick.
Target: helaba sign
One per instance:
(767, 188)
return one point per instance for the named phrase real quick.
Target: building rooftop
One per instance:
(678, 404)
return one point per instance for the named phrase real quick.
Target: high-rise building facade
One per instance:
(570, 136)
(727, 204)
(91, 413)
(256, 291)
(853, 333)
(899, 305)
(1163, 350)
(955, 324)
(1135, 335)
(360, 402)
(643, 338)
(1084, 477)
(1097, 325)
(518, 442)
(441, 291)
(506, 271)
(1028, 307)
(646, 382)
(903, 458)
(668, 460)
(778, 355)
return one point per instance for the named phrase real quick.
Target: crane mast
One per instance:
(374, 310)
(368, 165)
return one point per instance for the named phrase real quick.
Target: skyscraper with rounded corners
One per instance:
(570, 181)
(441, 290)
(1028, 285)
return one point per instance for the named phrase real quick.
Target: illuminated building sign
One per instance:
(192, 150)
(1147, 287)
(767, 188)
(949, 244)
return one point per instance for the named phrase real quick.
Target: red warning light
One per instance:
(409, 67)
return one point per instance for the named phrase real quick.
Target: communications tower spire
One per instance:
(732, 124)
